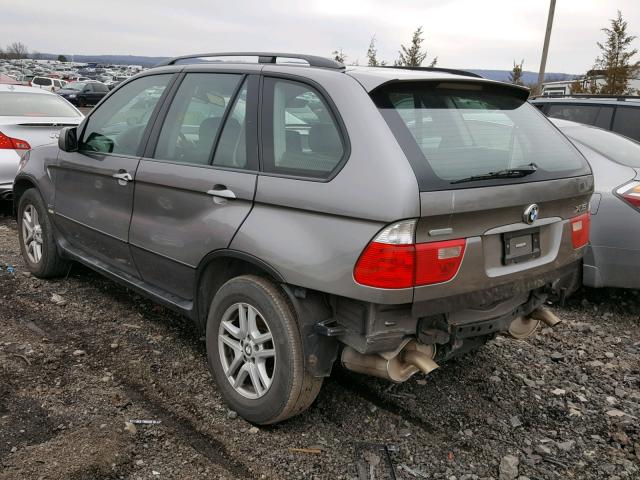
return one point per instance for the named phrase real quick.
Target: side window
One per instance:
(599, 116)
(195, 116)
(100, 88)
(117, 125)
(627, 122)
(300, 135)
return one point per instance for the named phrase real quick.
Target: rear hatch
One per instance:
(35, 118)
(35, 131)
(495, 172)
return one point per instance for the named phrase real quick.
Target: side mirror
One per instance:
(68, 139)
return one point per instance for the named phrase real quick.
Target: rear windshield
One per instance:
(611, 145)
(42, 81)
(451, 131)
(15, 104)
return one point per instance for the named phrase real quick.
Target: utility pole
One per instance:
(545, 48)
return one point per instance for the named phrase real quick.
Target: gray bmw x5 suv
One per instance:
(299, 211)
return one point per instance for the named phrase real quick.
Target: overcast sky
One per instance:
(462, 33)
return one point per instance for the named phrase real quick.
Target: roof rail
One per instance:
(437, 69)
(589, 95)
(263, 57)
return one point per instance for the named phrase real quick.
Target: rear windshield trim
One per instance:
(425, 175)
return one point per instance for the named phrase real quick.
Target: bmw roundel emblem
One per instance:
(531, 214)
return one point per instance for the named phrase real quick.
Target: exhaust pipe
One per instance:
(524, 327)
(397, 366)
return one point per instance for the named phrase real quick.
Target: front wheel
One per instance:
(255, 351)
(37, 243)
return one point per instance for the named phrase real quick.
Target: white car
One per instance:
(29, 117)
(46, 83)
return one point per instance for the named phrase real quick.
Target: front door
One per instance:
(196, 185)
(95, 185)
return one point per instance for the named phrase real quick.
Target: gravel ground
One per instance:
(81, 356)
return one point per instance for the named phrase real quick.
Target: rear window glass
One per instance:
(451, 131)
(42, 81)
(615, 147)
(15, 104)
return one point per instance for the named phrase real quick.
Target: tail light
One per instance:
(13, 143)
(393, 259)
(630, 193)
(580, 230)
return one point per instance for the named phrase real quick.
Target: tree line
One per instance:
(18, 50)
(412, 55)
(615, 66)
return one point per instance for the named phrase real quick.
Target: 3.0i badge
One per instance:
(531, 214)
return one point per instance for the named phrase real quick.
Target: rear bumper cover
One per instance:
(370, 328)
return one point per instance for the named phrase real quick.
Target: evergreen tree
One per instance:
(339, 56)
(616, 58)
(62, 58)
(372, 54)
(414, 55)
(515, 76)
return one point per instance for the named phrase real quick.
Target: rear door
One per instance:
(196, 184)
(94, 186)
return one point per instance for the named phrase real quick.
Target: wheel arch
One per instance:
(21, 185)
(218, 267)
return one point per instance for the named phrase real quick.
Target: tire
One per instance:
(48, 263)
(81, 103)
(291, 389)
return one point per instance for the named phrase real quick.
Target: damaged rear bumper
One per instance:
(371, 328)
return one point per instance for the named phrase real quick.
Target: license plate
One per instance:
(520, 246)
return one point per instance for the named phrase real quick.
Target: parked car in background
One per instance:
(46, 83)
(25, 79)
(83, 94)
(618, 114)
(613, 256)
(29, 117)
(404, 218)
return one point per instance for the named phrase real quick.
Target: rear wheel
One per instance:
(255, 352)
(37, 244)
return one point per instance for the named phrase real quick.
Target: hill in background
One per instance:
(500, 75)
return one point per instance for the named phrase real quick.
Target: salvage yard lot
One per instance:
(80, 356)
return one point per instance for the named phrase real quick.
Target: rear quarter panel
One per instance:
(313, 232)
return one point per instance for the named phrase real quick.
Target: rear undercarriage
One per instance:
(396, 341)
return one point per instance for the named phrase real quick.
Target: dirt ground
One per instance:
(82, 356)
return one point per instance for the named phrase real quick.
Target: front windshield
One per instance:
(453, 130)
(79, 86)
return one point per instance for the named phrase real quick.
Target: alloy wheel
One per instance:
(32, 233)
(247, 350)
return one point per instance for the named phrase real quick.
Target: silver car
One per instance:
(29, 117)
(613, 256)
(301, 212)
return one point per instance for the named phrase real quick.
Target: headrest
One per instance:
(324, 138)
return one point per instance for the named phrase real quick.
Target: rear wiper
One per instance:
(506, 173)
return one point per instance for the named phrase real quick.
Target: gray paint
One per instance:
(613, 257)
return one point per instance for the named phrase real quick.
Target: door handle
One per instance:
(222, 193)
(123, 177)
